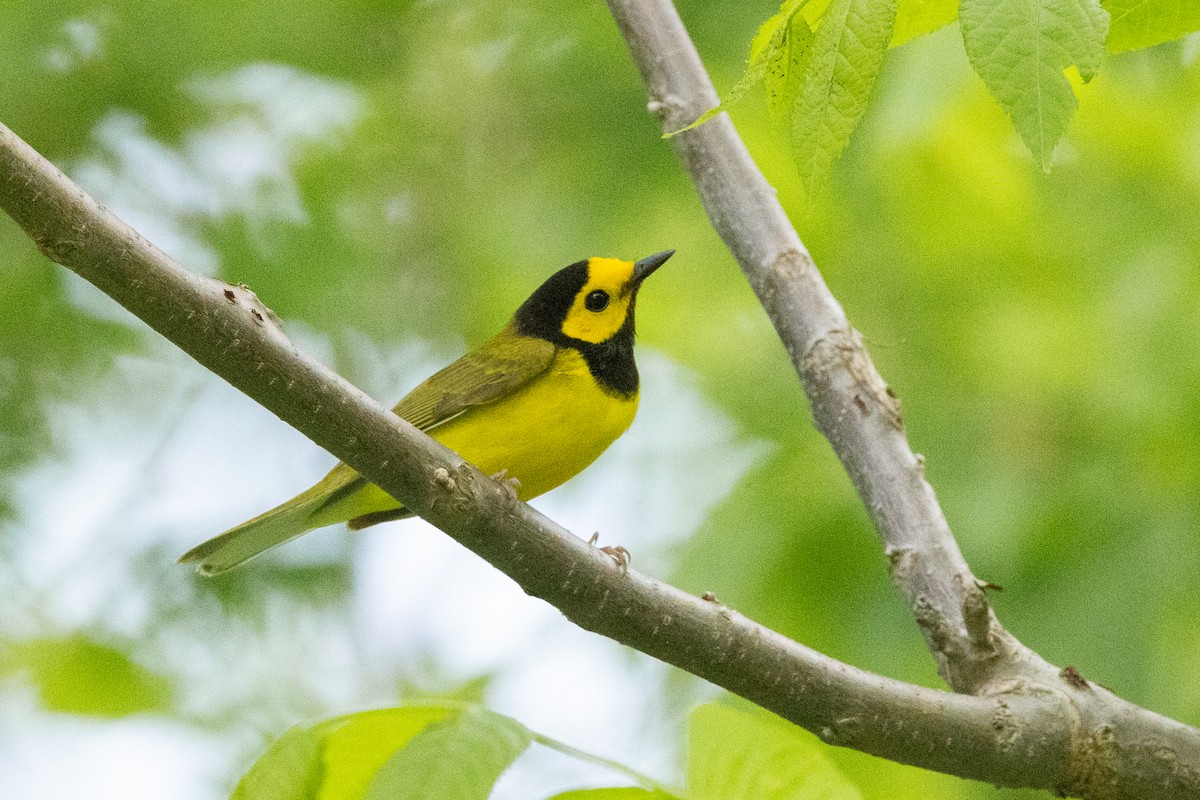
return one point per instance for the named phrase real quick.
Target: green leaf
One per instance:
(336, 759)
(813, 10)
(79, 675)
(356, 746)
(1142, 23)
(918, 17)
(622, 793)
(450, 752)
(458, 759)
(787, 63)
(772, 37)
(1020, 49)
(289, 770)
(733, 755)
(847, 54)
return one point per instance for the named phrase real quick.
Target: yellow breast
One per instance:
(542, 434)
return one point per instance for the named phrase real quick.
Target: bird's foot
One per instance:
(620, 556)
(511, 485)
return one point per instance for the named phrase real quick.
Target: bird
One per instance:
(535, 404)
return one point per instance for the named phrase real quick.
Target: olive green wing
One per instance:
(489, 372)
(495, 369)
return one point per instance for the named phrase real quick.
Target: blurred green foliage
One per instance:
(77, 675)
(1042, 330)
(1141, 23)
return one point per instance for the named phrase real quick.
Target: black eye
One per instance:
(596, 301)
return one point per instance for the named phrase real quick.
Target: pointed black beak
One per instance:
(643, 268)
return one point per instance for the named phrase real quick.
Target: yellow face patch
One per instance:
(600, 307)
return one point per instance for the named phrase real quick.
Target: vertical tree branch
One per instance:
(851, 404)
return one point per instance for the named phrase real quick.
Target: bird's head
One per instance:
(590, 301)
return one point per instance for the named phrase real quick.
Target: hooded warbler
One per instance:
(538, 402)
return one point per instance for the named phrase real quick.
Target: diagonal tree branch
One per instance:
(851, 404)
(1052, 738)
(229, 331)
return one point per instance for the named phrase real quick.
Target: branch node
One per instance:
(841, 349)
(841, 732)
(442, 479)
(938, 632)
(242, 294)
(669, 109)
(977, 616)
(899, 557)
(1092, 772)
(1007, 731)
(1071, 675)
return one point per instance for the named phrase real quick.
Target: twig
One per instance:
(608, 763)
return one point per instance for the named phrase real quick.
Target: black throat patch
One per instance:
(542, 315)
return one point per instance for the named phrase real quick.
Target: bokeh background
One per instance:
(393, 179)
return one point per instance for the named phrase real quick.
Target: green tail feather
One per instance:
(240, 544)
(275, 527)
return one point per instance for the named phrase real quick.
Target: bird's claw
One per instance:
(620, 556)
(511, 485)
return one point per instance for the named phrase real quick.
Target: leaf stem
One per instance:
(615, 766)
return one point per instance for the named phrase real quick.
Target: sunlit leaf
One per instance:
(847, 54)
(450, 752)
(289, 770)
(79, 675)
(770, 41)
(336, 759)
(733, 755)
(813, 10)
(1142, 23)
(356, 746)
(1020, 48)
(460, 758)
(918, 17)
(787, 63)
